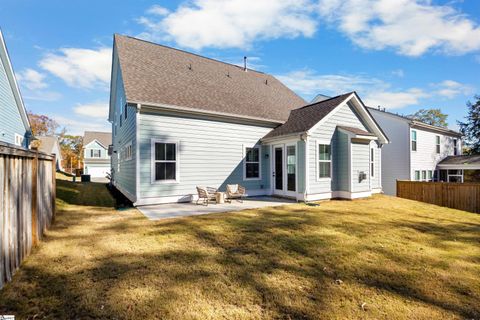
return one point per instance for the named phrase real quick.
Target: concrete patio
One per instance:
(175, 210)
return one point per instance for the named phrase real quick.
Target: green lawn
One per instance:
(400, 259)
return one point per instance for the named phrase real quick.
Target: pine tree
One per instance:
(471, 127)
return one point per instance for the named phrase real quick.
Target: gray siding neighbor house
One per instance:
(180, 120)
(14, 125)
(418, 151)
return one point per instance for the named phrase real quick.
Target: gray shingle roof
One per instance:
(357, 131)
(47, 143)
(158, 74)
(302, 119)
(461, 160)
(105, 138)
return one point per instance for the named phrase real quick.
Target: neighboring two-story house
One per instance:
(180, 120)
(14, 125)
(96, 160)
(416, 151)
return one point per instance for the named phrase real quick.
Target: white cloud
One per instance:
(450, 89)
(395, 99)
(94, 109)
(373, 91)
(398, 73)
(31, 79)
(80, 68)
(410, 27)
(46, 96)
(227, 24)
(79, 125)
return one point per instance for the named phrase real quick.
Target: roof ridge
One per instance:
(329, 99)
(191, 53)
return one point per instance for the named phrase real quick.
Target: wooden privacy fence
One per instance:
(462, 196)
(27, 204)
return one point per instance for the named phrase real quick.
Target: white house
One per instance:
(416, 151)
(96, 160)
(180, 120)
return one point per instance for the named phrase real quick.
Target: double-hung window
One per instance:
(437, 144)
(455, 147)
(164, 161)
(252, 163)
(424, 175)
(372, 162)
(414, 140)
(324, 161)
(95, 153)
(417, 175)
(430, 175)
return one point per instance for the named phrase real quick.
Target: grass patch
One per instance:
(399, 258)
(84, 193)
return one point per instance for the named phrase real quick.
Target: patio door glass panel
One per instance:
(279, 168)
(291, 168)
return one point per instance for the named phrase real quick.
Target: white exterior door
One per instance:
(284, 169)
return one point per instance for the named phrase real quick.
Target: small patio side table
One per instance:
(220, 197)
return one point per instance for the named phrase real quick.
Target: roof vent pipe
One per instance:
(245, 64)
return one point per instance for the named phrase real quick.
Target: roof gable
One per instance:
(103, 138)
(13, 83)
(308, 118)
(158, 75)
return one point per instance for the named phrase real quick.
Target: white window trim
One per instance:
(426, 175)
(20, 138)
(90, 153)
(372, 161)
(415, 175)
(438, 144)
(152, 162)
(411, 140)
(292, 144)
(317, 161)
(128, 157)
(244, 157)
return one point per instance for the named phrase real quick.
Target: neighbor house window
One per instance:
(414, 140)
(417, 175)
(324, 161)
(165, 164)
(125, 110)
(430, 175)
(95, 153)
(455, 148)
(18, 139)
(424, 175)
(252, 163)
(437, 143)
(372, 162)
(291, 168)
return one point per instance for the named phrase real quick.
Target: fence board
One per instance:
(27, 204)
(462, 196)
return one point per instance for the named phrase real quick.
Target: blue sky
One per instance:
(403, 55)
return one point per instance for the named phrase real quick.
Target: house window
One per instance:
(128, 151)
(455, 148)
(430, 175)
(324, 161)
(417, 175)
(437, 143)
(165, 164)
(125, 110)
(424, 175)
(414, 140)
(252, 163)
(372, 162)
(121, 120)
(95, 153)
(18, 139)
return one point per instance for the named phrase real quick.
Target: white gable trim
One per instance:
(93, 141)
(13, 83)
(362, 111)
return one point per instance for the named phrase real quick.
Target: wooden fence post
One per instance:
(54, 186)
(398, 186)
(34, 199)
